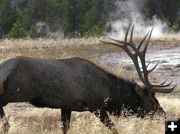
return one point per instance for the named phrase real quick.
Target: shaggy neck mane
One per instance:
(120, 87)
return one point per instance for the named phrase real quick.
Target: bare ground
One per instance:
(25, 118)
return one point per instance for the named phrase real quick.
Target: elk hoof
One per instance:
(114, 131)
(6, 127)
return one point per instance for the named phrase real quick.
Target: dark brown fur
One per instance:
(73, 84)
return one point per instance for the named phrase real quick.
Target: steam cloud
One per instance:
(129, 11)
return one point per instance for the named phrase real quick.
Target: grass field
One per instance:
(26, 119)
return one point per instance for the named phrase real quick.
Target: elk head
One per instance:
(137, 53)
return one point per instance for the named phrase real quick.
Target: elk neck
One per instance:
(123, 94)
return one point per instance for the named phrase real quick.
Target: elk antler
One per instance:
(126, 45)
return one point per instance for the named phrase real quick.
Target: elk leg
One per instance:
(4, 119)
(65, 119)
(104, 118)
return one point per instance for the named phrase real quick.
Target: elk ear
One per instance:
(139, 90)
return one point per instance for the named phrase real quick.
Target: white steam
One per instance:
(129, 12)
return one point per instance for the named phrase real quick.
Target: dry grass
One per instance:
(24, 118)
(36, 120)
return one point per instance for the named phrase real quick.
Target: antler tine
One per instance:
(148, 64)
(163, 84)
(118, 41)
(150, 70)
(112, 43)
(127, 33)
(164, 90)
(142, 41)
(147, 44)
(131, 37)
(124, 44)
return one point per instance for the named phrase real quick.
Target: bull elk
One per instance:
(76, 84)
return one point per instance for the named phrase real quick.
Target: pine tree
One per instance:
(8, 16)
(84, 17)
(48, 11)
(17, 31)
(70, 22)
(164, 9)
(95, 18)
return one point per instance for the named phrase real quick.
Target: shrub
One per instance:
(17, 31)
(176, 26)
(32, 33)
